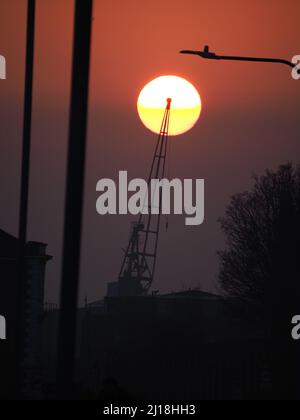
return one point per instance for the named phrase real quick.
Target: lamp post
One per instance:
(207, 54)
(24, 193)
(74, 198)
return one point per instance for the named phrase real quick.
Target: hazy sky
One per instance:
(250, 120)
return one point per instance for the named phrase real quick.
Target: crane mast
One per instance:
(139, 263)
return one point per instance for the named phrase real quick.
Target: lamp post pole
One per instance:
(23, 212)
(74, 198)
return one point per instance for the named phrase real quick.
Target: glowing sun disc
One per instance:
(185, 108)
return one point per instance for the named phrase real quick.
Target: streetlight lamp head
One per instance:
(204, 54)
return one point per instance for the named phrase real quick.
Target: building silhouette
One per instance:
(177, 346)
(188, 345)
(36, 260)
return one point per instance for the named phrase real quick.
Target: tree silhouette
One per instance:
(261, 261)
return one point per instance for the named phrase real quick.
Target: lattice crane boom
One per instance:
(139, 263)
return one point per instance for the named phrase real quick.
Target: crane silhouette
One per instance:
(139, 263)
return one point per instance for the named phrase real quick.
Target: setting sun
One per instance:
(185, 109)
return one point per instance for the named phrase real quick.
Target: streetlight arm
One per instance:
(258, 60)
(212, 56)
(204, 54)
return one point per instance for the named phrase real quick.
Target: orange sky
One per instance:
(249, 120)
(142, 40)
